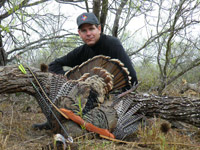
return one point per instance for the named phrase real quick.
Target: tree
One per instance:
(172, 39)
(168, 40)
(28, 26)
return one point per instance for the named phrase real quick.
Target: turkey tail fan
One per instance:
(115, 67)
(76, 72)
(96, 61)
(121, 74)
(73, 74)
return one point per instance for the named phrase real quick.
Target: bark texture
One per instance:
(12, 80)
(3, 54)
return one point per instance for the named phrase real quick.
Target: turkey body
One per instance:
(85, 91)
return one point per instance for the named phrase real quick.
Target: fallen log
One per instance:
(182, 109)
(12, 80)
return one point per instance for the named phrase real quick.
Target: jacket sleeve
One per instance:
(57, 65)
(69, 60)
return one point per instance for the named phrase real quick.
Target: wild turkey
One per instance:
(84, 90)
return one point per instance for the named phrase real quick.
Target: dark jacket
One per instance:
(107, 45)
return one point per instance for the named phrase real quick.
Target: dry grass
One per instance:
(155, 137)
(19, 112)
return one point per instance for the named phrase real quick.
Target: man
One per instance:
(95, 44)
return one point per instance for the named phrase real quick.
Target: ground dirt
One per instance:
(19, 111)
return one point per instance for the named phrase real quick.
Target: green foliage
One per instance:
(10, 11)
(173, 61)
(18, 94)
(135, 4)
(192, 76)
(80, 108)
(6, 29)
(16, 7)
(80, 111)
(148, 76)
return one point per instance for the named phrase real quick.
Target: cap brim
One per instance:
(86, 22)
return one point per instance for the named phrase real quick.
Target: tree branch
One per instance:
(19, 6)
(117, 17)
(38, 41)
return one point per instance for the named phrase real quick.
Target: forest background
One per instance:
(161, 37)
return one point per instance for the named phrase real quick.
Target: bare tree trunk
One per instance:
(102, 7)
(104, 12)
(96, 7)
(3, 56)
(169, 108)
(117, 18)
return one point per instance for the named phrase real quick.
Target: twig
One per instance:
(134, 87)
(31, 140)
(128, 91)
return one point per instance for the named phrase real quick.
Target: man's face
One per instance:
(89, 33)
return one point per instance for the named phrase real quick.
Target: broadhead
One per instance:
(59, 142)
